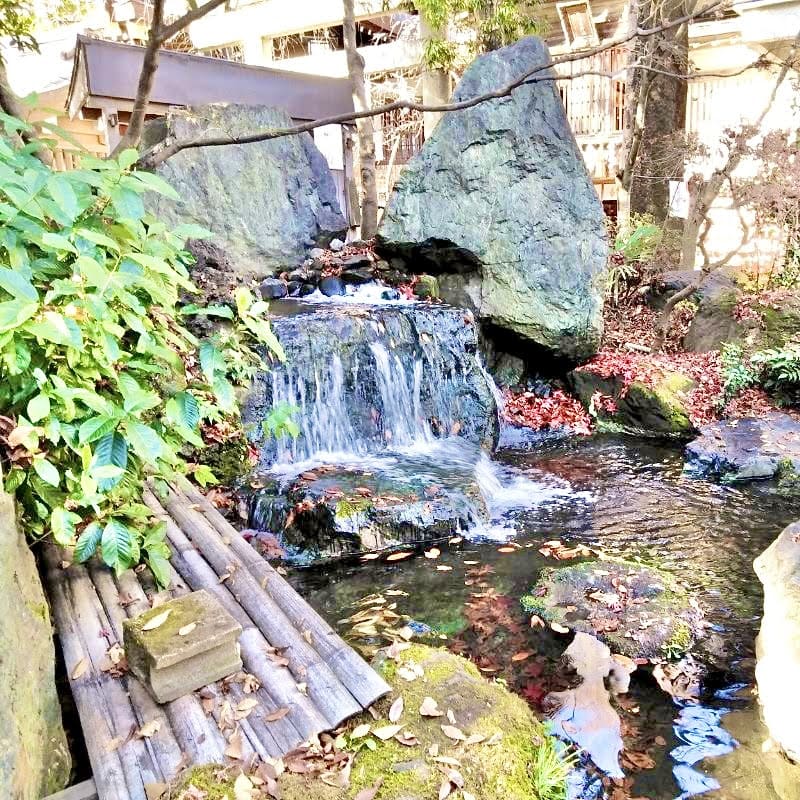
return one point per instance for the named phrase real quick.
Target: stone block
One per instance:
(175, 658)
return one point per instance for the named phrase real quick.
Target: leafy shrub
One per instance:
(634, 245)
(780, 370)
(737, 375)
(100, 383)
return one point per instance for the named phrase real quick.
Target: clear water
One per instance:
(630, 498)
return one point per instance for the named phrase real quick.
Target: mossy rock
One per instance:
(427, 287)
(638, 611)
(642, 410)
(522, 765)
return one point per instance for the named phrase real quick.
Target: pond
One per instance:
(622, 497)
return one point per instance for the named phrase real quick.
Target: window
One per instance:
(578, 25)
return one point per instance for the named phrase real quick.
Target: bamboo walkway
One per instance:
(300, 662)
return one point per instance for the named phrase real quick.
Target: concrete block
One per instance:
(175, 658)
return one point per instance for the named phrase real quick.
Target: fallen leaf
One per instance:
(443, 568)
(455, 540)
(187, 629)
(398, 556)
(429, 708)
(149, 729)
(157, 621)
(559, 628)
(474, 738)
(407, 738)
(468, 795)
(370, 556)
(445, 789)
(155, 791)
(370, 792)
(79, 669)
(506, 549)
(361, 731)
(451, 732)
(434, 552)
(276, 715)
(456, 778)
(451, 762)
(396, 710)
(521, 656)
(395, 648)
(243, 788)
(234, 746)
(387, 732)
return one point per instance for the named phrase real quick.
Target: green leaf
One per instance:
(191, 231)
(147, 444)
(156, 183)
(62, 524)
(88, 542)
(223, 391)
(204, 476)
(159, 566)
(46, 470)
(211, 360)
(38, 407)
(183, 410)
(111, 455)
(193, 310)
(127, 203)
(95, 427)
(57, 328)
(64, 195)
(117, 544)
(14, 313)
(17, 285)
(127, 158)
(136, 398)
(57, 242)
(16, 477)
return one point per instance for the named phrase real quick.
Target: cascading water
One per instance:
(393, 399)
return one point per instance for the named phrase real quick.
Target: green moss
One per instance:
(679, 643)
(347, 508)
(780, 325)
(216, 781)
(229, 460)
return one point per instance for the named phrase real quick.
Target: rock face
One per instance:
(499, 203)
(747, 449)
(638, 611)
(34, 759)
(642, 410)
(268, 202)
(778, 642)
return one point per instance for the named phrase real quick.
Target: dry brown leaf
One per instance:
(474, 738)
(243, 788)
(468, 795)
(187, 629)
(361, 731)
(157, 621)
(451, 732)
(370, 556)
(395, 648)
(155, 791)
(445, 789)
(455, 540)
(276, 715)
(506, 549)
(79, 669)
(451, 762)
(149, 729)
(559, 628)
(399, 556)
(521, 656)
(429, 708)
(444, 568)
(456, 778)
(234, 746)
(451, 717)
(370, 792)
(386, 732)
(396, 710)
(434, 552)
(407, 738)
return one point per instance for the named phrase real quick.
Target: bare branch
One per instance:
(168, 31)
(167, 149)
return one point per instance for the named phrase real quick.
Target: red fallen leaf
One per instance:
(370, 792)
(521, 656)
(363, 491)
(534, 693)
(309, 476)
(276, 715)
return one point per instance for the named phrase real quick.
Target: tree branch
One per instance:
(167, 149)
(168, 31)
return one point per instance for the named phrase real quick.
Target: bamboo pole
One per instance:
(324, 688)
(360, 679)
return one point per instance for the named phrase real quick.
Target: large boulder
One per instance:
(34, 759)
(747, 449)
(778, 642)
(499, 203)
(267, 202)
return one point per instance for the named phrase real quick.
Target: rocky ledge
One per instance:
(747, 449)
(638, 611)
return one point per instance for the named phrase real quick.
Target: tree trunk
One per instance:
(366, 131)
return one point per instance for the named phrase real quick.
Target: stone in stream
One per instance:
(498, 204)
(267, 222)
(747, 449)
(34, 757)
(332, 512)
(332, 286)
(638, 611)
(196, 644)
(778, 641)
(641, 409)
(272, 289)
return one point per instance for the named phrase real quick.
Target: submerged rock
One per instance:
(499, 202)
(747, 449)
(778, 641)
(639, 611)
(584, 714)
(266, 223)
(332, 512)
(640, 409)
(34, 758)
(332, 286)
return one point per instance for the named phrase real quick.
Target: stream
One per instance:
(617, 495)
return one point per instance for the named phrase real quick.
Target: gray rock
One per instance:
(332, 286)
(293, 288)
(778, 642)
(499, 197)
(272, 289)
(34, 759)
(307, 289)
(316, 252)
(746, 449)
(427, 288)
(390, 294)
(357, 275)
(717, 283)
(267, 203)
(336, 245)
(508, 370)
